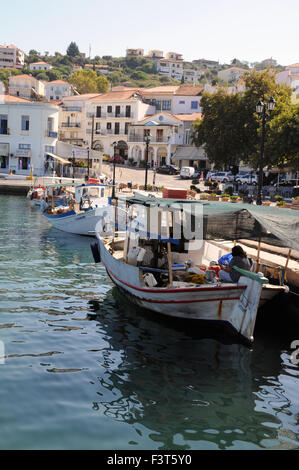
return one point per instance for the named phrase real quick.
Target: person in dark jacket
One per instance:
(239, 259)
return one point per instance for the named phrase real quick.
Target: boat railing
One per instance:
(255, 277)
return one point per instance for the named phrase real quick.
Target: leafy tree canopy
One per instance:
(85, 81)
(231, 130)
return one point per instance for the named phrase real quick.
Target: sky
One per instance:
(251, 30)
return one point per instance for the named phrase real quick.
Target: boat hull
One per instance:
(232, 304)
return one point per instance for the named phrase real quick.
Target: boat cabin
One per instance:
(90, 195)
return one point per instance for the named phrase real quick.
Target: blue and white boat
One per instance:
(80, 215)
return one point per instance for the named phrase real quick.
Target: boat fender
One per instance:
(149, 280)
(95, 252)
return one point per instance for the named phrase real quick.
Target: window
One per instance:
(117, 111)
(127, 128)
(128, 111)
(116, 128)
(166, 105)
(57, 97)
(3, 124)
(25, 123)
(25, 146)
(158, 105)
(109, 109)
(194, 104)
(109, 126)
(51, 97)
(181, 102)
(49, 149)
(50, 124)
(99, 111)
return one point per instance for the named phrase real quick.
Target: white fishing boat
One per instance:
(173, 276)
(36, 195)
(80, 214)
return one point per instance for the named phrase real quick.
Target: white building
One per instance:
(28, 132)
(72, 119)
(40, 66)
(26, 86)
(231, 74)
(109, 117)
(11, 57)
(167, 133)
(192, 76)
(175, 99)
(170, 68)
(290, 76)
(58, 89)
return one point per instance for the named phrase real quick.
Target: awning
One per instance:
(189, 152)
(60, 159)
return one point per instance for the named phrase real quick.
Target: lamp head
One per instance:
(271, 104)
(259, 107)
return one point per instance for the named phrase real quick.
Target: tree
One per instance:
(86, 81)
(230, 129)
(103, 84)
(73, 49)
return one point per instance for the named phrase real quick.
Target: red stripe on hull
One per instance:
(167, 291)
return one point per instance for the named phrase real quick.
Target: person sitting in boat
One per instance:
(239, 259)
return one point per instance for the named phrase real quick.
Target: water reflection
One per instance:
(184, 391)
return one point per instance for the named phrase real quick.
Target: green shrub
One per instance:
(281, 203)
(229, 190)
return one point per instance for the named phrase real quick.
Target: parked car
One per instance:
(187, 172)
(117, 160)
(168, 170)
(222, 176)
(247, 178)
(210, 174)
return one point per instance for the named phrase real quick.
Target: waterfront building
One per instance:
(28, 132)
(40, 66)
(26, 86)
(72, 119)
(58, 89)
(167, 132)
(11, 57)
(109, 117)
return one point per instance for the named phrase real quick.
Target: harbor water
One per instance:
(83, 369)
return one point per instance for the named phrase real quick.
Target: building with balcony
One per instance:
(170, 68)
(26, 86)
(170, 141)
(109, 117)
(192, 76)
(28, 133)
(58, 89)
(11, 57)
(72, 119)
(40, 66)
(175, 99)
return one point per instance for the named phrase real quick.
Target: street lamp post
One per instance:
(114, 145)
(147, 140)
(261, 111)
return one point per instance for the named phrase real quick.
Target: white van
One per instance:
(187, 172)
